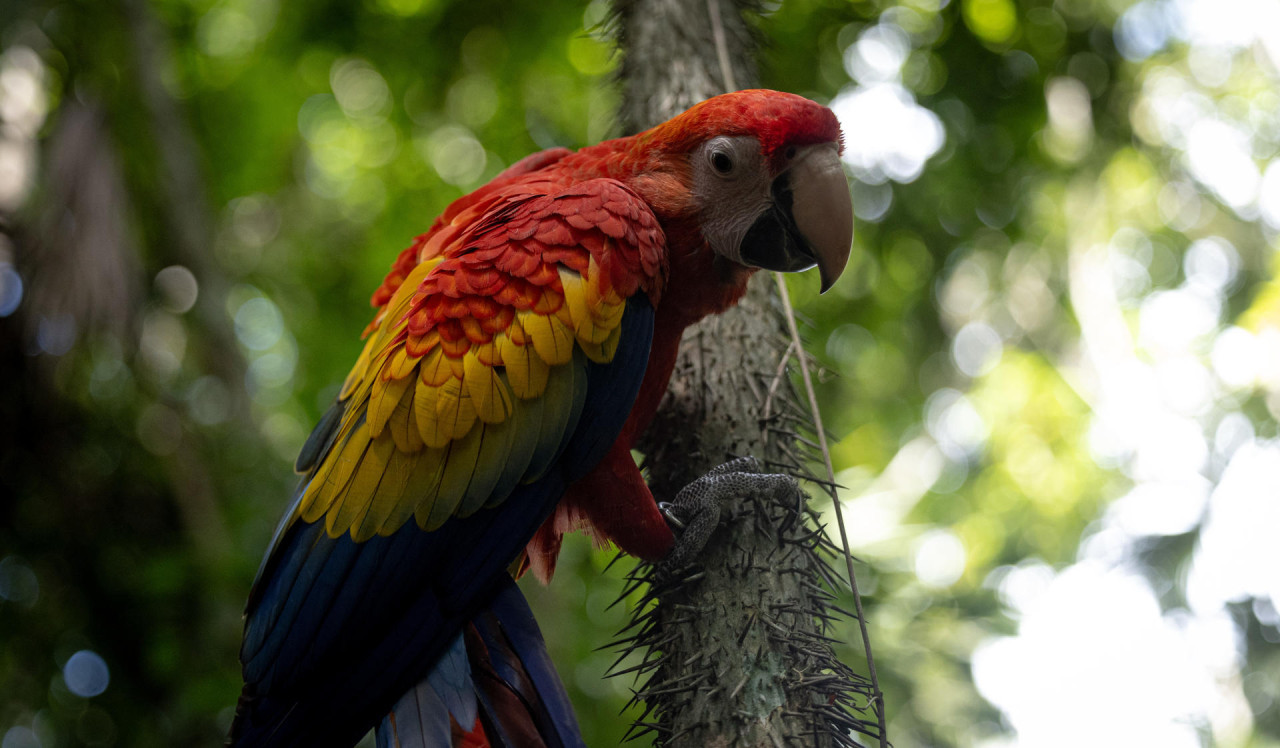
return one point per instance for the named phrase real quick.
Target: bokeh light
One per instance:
(939, 559)
(1086, 622)
(10, 289)
(18, 583)
(178, 287)
(86, 674)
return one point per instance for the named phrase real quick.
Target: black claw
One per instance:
(669, 513)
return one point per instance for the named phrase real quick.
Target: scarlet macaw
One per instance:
(519, 347)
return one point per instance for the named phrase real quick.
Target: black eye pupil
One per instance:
(791, 152)
(721, 161)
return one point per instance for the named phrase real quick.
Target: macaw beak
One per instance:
(810, 221)
(822, 209)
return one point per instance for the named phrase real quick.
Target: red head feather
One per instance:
(777, 119)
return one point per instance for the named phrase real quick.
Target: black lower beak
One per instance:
(773, 242)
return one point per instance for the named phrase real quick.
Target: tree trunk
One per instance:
(735, 649)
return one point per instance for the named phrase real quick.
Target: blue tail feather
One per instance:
(451, 680)
(504, 676)
(515, 623)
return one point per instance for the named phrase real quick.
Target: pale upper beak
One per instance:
(822, 208)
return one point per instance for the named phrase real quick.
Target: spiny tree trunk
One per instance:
(735, 649)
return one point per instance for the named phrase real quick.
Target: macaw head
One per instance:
(765, 176)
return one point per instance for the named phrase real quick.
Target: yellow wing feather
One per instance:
(352, 502)
(551, 338)
(458, 464)
(425, 416)
(434, 369)
(343, 460)
(495, 446)
(455, 411)
(451, 426)
(384, 398)
(389, 494)
(360, 372)
(403, 423)
(421, 489)
(401, 363)
(489, 395)
(526, 371)
(602, 352)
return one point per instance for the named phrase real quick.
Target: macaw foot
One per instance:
(695, 513)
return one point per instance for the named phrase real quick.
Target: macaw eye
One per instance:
(721, 162)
